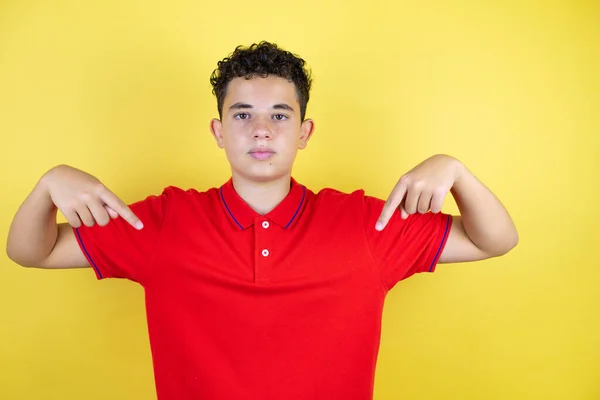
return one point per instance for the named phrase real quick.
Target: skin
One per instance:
(36, 240)
(484, 228)
(259, 114)
(264, 112)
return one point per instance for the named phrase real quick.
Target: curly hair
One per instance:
(262, 59)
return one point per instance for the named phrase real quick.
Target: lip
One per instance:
(261, 150)
(261, 153)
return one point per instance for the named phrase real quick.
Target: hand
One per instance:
(82, 198)
(421, 189)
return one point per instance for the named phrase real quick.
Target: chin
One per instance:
(262, 174)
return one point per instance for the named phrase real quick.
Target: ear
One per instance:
(306, 130)
(216, 127)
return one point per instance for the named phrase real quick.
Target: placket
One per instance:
(264, 240)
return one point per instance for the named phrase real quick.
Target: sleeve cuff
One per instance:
(442, 238)
(78, 235)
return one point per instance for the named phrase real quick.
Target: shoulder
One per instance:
(339, 197)
(179, 196)
(335, 201)
(177, 192)
(329, 195)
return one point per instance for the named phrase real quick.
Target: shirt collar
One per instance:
(284, 214)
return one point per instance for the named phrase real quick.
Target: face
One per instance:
(261, 131)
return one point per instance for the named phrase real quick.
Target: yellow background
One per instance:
(120, 89)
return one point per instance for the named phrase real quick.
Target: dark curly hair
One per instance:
(262, 59)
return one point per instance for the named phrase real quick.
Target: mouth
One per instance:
(261, 153)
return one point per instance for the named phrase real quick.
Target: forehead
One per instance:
(259, 91)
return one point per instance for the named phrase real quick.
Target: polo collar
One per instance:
(284, 214)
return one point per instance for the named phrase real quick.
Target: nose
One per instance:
(262, 130)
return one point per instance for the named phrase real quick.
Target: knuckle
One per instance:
(98, 187)
(85, 196)
(419, 185)
(68, 205)
(75, 204)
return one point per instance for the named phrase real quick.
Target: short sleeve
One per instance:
(118, 250)
(405, 246)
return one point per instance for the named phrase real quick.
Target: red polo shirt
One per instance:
(282, 306)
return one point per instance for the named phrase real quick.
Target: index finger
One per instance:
(391, 206)
(122, 209)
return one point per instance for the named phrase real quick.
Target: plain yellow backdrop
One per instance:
(121, 89)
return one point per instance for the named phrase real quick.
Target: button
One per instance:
(265, 224)
(265, 253)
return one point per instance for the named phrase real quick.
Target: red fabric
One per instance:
(229, 320)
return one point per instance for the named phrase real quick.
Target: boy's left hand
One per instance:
(423, 188)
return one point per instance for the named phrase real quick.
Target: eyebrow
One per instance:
(242, 106)
(283, 106)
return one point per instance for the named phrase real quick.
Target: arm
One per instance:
(36, 240)
(484, 228)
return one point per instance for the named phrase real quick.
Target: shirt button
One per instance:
(265, 224)
(265, 253)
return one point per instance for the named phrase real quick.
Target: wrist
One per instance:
(461, 173)
(44, 185)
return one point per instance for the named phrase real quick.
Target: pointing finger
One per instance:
(122, 209)
(391, 206)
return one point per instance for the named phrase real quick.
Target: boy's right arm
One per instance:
(36, 240)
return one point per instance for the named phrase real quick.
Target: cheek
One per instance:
(232, 137)
(294, 139)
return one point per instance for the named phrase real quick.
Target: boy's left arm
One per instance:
(484, 229)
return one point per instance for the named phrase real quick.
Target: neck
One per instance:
(262, 197)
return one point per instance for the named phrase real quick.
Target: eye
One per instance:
(241, 116)
(280, 117)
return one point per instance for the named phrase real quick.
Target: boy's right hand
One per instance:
(82, 198)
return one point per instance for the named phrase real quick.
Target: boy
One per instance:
(262, 289)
